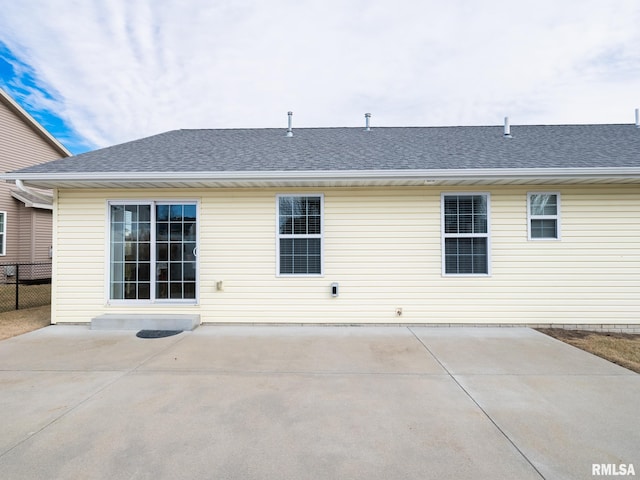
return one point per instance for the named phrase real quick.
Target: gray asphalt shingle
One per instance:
(382, 148)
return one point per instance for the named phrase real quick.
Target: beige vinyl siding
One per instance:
(383, 247)
(24, 230)
(21, 146)
(30, 231)
(42, 234)
(79, 257)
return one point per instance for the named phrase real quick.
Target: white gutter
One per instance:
(324, 175)
(21, 186)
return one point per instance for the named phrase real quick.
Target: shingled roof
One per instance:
(243, 154)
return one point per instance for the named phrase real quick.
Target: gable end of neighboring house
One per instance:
(25, 217)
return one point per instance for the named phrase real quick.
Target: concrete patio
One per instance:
(311, 402)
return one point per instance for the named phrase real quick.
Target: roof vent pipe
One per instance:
(367, 119)
(289, 129)
(507, 128)
(637, 117)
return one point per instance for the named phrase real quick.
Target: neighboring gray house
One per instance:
(25, 218)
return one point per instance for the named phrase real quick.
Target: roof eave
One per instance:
(328, 177)
(32, 202)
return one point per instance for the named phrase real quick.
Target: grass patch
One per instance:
(620, 348)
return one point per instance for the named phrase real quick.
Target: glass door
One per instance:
(176, 234)
(153, 251)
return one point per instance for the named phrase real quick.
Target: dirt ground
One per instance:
(18, 322)
(620, 348)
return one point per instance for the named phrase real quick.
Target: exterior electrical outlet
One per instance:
(334, 289)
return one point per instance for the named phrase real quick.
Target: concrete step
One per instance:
(119, 321)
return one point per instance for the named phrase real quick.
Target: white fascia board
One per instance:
(34, 124)
(263, 177)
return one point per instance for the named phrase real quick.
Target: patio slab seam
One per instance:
(176, 340)
(485, 413)
(66, 412)
(538, 374)
(194, 371)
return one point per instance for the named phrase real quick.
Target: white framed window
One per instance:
(3, 233)
(300, 227)
(543, 215)
(153, 251)
(465, 234)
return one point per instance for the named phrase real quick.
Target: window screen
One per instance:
(465, 234)
(299, 235)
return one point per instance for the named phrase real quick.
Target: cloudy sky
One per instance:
(100, 72)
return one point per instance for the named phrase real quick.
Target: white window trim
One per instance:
(444, 235)
(152, 300)
(3, 243)
(555, 217)
(279, 236)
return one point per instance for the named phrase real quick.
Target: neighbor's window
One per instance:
(3, 234)
(299, 242)
(153, 251)
(465, 234)
(544, 216)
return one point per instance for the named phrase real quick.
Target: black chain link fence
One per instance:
(24, 285)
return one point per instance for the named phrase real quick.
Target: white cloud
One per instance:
(122, 70)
